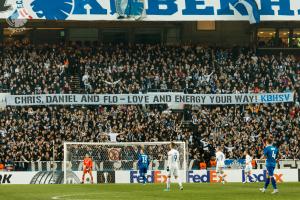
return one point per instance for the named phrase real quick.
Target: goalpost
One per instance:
(119, 155)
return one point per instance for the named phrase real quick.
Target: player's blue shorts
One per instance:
(143, 170)
(270, 170)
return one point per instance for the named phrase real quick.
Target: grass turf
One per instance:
(230, 191)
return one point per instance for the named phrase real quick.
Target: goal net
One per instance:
(118, 156)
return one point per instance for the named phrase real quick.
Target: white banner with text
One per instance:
(208, 176)
(142, 99)
(156, 176)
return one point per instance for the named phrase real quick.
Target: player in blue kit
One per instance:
(271, 154)
(143, 165)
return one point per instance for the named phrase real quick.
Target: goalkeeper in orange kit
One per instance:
(87, 168)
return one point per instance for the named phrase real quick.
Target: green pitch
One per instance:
(230, 191)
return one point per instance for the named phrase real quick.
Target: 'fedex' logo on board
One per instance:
(261, 177)
(208, 177)
(154, 177)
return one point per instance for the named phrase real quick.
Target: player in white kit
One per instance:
(248, 167)
(220, 157)
(173, 167)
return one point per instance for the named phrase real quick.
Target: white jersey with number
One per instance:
(248, 166)
(173, 162)
(220, 157)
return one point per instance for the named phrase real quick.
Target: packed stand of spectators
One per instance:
(29, 69)
(122, 69)
(27, 133)
(241, 128)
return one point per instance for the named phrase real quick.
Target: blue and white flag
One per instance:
(121, 6)
(251, 8)
(129, 7)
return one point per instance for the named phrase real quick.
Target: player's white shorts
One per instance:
(220, 167)
(248, 168)
(173, 171)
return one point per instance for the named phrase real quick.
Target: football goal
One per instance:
(119, 156)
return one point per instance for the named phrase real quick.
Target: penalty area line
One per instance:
(77, 196)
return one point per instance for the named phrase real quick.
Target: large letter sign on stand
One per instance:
(155, 10)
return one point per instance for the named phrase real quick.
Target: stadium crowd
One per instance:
(27, 133)
(30, 69)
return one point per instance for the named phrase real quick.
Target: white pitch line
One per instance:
(71, 196)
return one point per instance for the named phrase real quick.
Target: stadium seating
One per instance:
(26, 132)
